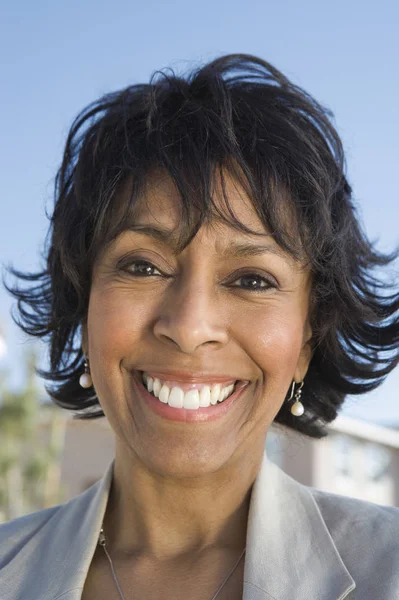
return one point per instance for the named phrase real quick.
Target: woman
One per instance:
(206, 276)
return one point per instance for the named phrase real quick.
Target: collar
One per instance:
(290, 552)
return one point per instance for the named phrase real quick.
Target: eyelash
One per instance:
(254, 275)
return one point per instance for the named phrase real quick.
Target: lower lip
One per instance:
(198, 415)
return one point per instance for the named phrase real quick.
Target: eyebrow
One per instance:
(240, 250)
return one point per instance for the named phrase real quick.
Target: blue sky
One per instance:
(57, 57)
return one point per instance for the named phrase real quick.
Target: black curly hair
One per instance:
(238, 112)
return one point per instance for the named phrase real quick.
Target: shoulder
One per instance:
(342, 512)
(16, 533)
(46, 553)
(55, 526)
(366, 536)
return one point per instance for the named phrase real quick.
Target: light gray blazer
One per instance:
(302, 544)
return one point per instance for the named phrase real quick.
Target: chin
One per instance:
(186, 463)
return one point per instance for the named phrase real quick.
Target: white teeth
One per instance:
(176, 397)
(215, 393)
(157, 387)
(164, 394)
(224, 394)
(192, 399)
(205, 396)
(227, 391)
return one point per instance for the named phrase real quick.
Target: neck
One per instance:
(150, 514)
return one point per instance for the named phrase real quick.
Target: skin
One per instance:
(181, 491)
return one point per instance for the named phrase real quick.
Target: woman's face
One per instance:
(207, 312)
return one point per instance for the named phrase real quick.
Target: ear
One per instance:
(305, 355)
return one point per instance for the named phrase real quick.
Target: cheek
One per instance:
(115, 331)
(275, 345)
(113, 319)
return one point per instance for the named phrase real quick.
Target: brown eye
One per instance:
(140, 268)
(255, 282)
(252, 282)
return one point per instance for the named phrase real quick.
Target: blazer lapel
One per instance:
(290, 552)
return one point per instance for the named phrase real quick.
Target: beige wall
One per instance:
(89, 448)
(342, 463)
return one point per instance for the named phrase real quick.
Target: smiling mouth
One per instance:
(197, 396)
(202, 414)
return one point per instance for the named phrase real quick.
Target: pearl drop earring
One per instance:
(297, 409)
(85, 379)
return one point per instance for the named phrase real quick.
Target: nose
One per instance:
(191, 316)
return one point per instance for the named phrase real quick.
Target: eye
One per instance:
(143, 269)
(256, 282)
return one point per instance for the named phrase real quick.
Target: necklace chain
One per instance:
(102, 542)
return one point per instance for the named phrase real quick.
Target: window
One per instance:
(343, 454)
(377, 462)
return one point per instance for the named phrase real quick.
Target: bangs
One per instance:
(202, 198)
(194, 133)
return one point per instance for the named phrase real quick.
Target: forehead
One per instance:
(155, 209)
(160, 202)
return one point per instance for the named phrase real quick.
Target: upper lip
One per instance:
(190, 376)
